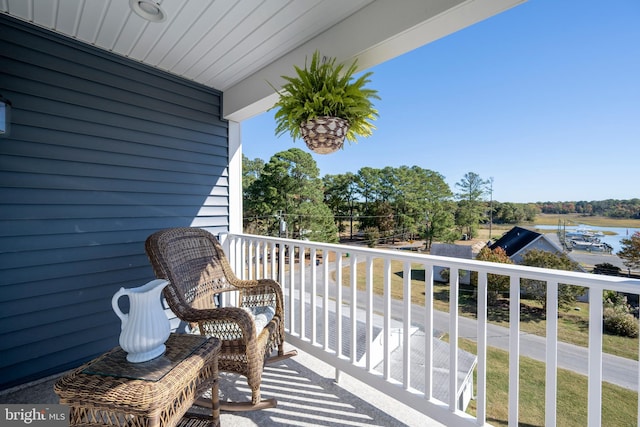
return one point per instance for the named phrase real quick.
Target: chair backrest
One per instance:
(193, 261)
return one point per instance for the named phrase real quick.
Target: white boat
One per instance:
(581, 232)
(584, 245)
(584, 234)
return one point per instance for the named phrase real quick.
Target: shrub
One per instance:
(497, 284)
(372, 235)
(618, 321)
(536, 289)
(606, 268)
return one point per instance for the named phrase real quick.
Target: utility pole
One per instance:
(490, 205)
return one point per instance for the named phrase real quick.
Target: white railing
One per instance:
(338, 325)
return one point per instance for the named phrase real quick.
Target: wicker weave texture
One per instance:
(324, 134)
(194, 263)
(114, 400)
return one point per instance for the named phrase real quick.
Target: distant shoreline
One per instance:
(576, 219)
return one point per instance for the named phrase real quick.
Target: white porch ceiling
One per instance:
(237, 45)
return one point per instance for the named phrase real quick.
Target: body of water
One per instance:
(610, 239)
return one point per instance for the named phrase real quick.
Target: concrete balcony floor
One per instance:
(306, 392)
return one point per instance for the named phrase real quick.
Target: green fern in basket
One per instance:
(324, 88)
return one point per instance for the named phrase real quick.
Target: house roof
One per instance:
(450, 250)
(515, 239)
(237, 46)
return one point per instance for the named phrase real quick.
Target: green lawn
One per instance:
(619, 405)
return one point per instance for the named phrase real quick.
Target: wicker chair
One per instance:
(193, 261)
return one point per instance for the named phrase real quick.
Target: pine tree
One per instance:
(290, 190)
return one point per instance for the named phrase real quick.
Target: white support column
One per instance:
(235, 178)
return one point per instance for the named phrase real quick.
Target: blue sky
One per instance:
(544, 98)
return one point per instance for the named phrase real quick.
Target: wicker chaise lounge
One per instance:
(193, 261)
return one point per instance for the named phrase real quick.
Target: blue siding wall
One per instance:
(103, 151)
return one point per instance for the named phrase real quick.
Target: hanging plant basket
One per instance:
(324, 103)
(325, 134)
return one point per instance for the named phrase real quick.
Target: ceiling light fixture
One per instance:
(148, 9)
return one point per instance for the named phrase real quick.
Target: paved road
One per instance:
(615, 370)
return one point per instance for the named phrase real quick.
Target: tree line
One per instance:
(612, 208)
(287, 197)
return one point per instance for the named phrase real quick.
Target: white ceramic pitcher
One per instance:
(146, 327)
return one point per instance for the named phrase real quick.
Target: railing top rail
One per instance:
(596, 281)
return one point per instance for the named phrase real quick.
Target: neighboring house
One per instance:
(452, 251)
(518, 241)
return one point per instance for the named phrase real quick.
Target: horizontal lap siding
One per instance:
(103, 151)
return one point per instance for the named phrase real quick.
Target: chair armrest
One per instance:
(224, 323)
(262, 292)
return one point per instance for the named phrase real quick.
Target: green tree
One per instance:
(251, 171)
(340, 195)
(420, 199)
(440, 224)
(537, 289)
(470, 203)
(289, 187)
(372, 236)
(530, 211)
(509, 213)
(422, 203)
(379, 216)
(436, 200)
(630, 252)
(368, 184)
(496, 283)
